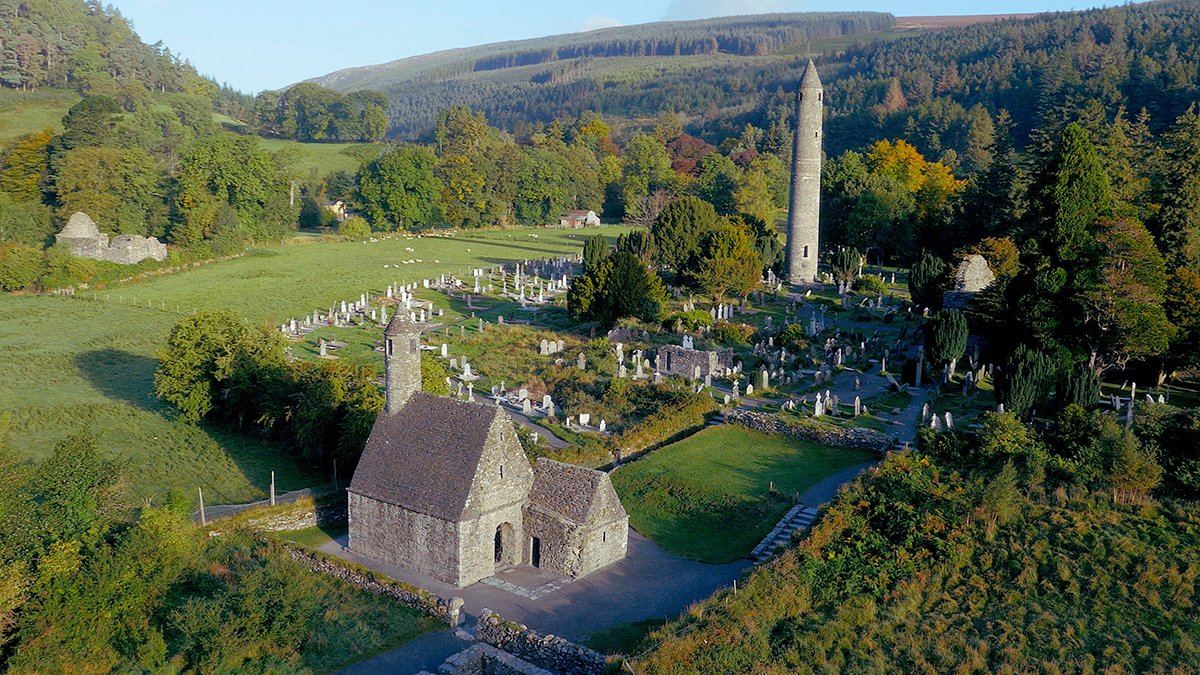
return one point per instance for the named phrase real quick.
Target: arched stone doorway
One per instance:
(505, 551)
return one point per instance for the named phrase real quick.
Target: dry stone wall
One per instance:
(550, 652)
(864, 439)
(483, 659)
(409, 596)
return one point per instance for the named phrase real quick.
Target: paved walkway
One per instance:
(424, 653)
(648, 583)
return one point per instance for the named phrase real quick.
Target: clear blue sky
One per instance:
(267, 44)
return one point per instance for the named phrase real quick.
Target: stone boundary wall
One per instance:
(410, 596)
(484, 659)
(863, 439)
(292, 511)
(550, 652)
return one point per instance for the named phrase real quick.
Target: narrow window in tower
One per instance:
(805, 251)
(389, 346)
(816, 134)
(820, 97)
(501, 472)
(801, 96)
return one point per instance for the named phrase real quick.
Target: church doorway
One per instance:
(505, 551)
(535, 552)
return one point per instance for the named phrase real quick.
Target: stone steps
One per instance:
(799, 517)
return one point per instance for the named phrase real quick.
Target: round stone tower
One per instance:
(402, 358)
(804, 204)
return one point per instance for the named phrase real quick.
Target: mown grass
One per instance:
(87, 364)
(708, 497)
(313, 537)
(26, 112)
(321, 159)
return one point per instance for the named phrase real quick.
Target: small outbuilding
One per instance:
(578, 219)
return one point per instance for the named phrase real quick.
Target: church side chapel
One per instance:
(444, 488)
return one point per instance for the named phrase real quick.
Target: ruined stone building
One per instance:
(804, 202)
(683, 362)
(444, 488)
(87, 241)
(972, 276)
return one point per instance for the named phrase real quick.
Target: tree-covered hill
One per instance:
(92, 49)
(882, 80)
(544, 78)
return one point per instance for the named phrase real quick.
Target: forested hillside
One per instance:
(90, 48)
(929, 87)
(546, 78)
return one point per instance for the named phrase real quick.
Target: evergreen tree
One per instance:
(595, 251)
(1071, 195)
(926, 281)
(1177, 225)
(678, 230)
(1023, 381)
(945, 336)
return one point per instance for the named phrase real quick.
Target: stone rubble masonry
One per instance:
(682, 362)
(410, 596)
(804, 201)
(863, 439)
(550, 652)
(484, 659)
(86, 240)
(973, 275)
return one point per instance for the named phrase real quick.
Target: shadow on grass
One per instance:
(121, 375)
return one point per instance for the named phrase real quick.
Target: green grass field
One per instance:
(87, 364)
(707, 497)
(322, 159)
(26, 112)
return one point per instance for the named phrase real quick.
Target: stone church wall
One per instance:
(397, 536)
(477, 547)
(603, 544)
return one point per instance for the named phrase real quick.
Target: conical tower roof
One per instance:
(810, 80)
(401, 323)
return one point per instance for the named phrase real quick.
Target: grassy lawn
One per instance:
(707, 497)
(322, 159)
(87, 364)
(312, 537)
(25, 112)
(356, 624)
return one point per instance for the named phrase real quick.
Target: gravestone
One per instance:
(584, 419)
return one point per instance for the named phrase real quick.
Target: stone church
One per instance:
(444, 488)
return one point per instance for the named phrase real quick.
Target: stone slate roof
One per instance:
(424, 456)
(574, 492)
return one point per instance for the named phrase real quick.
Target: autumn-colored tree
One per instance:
(24, 164)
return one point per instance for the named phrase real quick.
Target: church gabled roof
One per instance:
(424, 456)
(810, 80)
(580, 494)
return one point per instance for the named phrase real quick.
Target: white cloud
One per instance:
(704, 9)
(598, 22)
